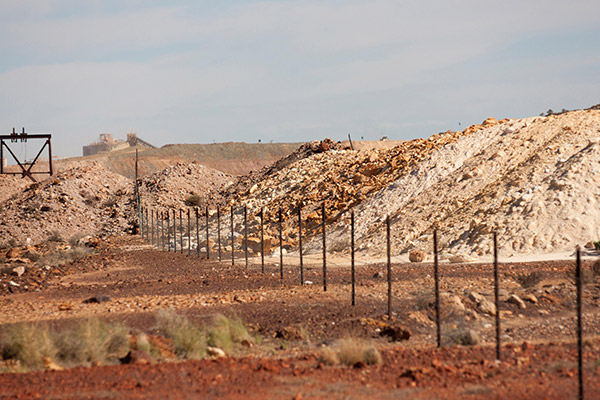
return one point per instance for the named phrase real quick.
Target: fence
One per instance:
(257, 235)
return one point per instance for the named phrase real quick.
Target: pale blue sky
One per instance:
(204, 71)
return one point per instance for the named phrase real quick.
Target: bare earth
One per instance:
(539, 355)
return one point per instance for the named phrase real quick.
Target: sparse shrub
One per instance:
(463, 336)
(529, 280)
(55, 236)
(193, 201)
(424, 300)
(110, 202)
(225, 332)
(596, 269)
(597, 245)
(92, 341)
(188, 340)
(28, 343)
(63, 257)
(350, 352)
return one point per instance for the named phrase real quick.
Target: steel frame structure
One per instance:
(26, 167)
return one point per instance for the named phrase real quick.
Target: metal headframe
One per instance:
(26, 167)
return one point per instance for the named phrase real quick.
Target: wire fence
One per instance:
(235, 235)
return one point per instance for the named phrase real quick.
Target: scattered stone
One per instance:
(396, 333)
(137, 356)
(11, 283)
(51, 365)
(65, 307)
(18, 271)
(416, 256)
(461, 258)
(530, 298)
(215, 352)
(514, 299)
(96, 299)
(378, 275)
(13, 253)
(289, 333)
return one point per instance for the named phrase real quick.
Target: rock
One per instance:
(18, 271)
(215, 352)
(456, 302)
(96, 299)
(476, 297)
(396, 333)
(416, 256)
(11, 283)
(420, 317)
(289, 333)
(514, 299)
(468, 337)
(530, 298)
(65, 307)
(137, 356)
(487, 307)
(51, 365)
(13, 253)
(461, 258)
(589, 245)
(378, 275)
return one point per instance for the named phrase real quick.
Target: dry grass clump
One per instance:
(89, 342)
(27, 343)
(188, 340)
(62, 257)
(92, 341)
(351, 352)
(225, 332)
(529, 280)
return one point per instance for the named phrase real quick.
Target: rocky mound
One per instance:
(79, 201)
(183, 184)
(535, 181)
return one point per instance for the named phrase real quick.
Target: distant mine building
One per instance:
(106, 143)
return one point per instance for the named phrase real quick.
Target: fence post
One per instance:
(152, 224)
(389, 267)
(189, 235)
(300, 243)
(579, 323)
(174, 231)
(246, 234)
(168, 230)
(207, 236)
(162, 230)
(142, 222)
(232, 239)
(497, 297)
(352, 256)
(181, 229)
(280, 245)
(324, 247)
(436, 275)
(197, 231)
(262, 241)
(219, 232)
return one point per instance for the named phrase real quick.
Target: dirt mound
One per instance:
(341, 179)
(183, 184)
(80, 201)
(535, 181)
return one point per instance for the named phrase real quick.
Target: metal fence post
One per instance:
(219, 232)
(181, 230)
(246, 234)
(189, 235)
(389, 267)
(497, 297)
(152, 224)
(300, 243)
(168, 230)
(436, 275)
(174, 231)
(280, 244)
(162, 230)
(579, 323)
(324, 247)
(197, 232)
(207, 236)
(352, 256)
(232, 240)
(262, 241)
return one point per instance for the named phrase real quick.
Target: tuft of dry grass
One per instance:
(225, 332)
(188, 340)
(92, 341)
(29, 343)
(63, 257)
(350, 352)
(529, 280)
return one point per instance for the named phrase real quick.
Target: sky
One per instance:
(288, 71)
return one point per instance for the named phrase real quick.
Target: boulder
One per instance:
(416, 256)
(514, 299)
(215, 352)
